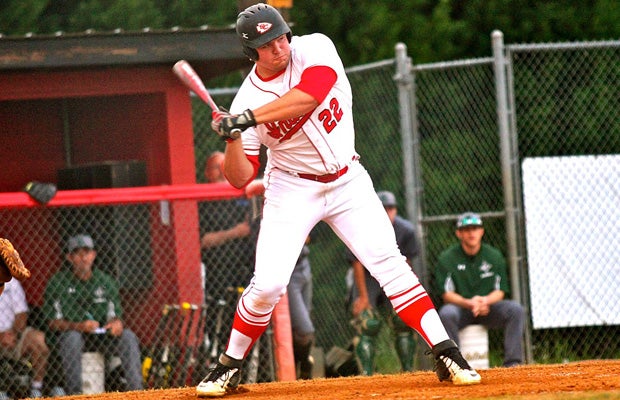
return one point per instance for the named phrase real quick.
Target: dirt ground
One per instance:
(587, 376)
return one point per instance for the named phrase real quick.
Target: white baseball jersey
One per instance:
(12, 302)
(319, 143)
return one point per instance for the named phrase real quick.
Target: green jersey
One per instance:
(67, 297)
(471, 276)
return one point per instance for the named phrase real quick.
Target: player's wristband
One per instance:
(231, 127)
(246, 120)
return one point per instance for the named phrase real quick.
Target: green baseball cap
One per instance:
(387, 198)
(468, 219)
(80, 242)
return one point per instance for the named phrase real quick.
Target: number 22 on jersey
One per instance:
(331, 116)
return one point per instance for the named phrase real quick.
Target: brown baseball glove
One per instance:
(11, 264)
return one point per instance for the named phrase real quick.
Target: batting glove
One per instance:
(232, 125)
(217, 117)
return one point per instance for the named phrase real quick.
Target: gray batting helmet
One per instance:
(259, 24)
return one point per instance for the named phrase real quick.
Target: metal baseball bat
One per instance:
(181, 378)
(176, 348)
(195, 343)
(147, 366)
(184, 71)
(169, 358)
(161, 367)
(215, 349)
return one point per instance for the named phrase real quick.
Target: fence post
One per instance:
(410, 147)
(505, 160)
(507, 157)
(411, 171)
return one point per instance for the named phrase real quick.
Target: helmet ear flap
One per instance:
(251, 53)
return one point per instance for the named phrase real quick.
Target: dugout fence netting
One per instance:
(148, 240)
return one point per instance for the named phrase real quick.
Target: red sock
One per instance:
(412, 314)
(247, 329)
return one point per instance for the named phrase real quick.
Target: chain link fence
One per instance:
(560, 108)
(180, 331)
(562, 104)
(566, 127)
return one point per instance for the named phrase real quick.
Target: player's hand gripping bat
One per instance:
(184, 71)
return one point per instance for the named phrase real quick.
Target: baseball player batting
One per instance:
(297, 102)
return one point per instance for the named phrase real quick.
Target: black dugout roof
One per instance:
(211, 51)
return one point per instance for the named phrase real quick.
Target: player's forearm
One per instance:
(457, 299)
(238, 170)
(213, 239)
(293, 104)
(360, 279)
(494, 297)
(62, 325)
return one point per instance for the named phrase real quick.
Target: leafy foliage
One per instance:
(47, 16)
(364, 30)
(19, 17)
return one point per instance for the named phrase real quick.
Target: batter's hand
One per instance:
(114, 327)
(232, 125)
(88, 326)
(480, 306)
(360, 304)
(217, 116)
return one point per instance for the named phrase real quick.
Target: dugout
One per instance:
(69, 101)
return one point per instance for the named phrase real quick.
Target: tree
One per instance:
(19, 17)
(363, 31)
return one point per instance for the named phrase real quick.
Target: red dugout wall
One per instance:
(176, 243)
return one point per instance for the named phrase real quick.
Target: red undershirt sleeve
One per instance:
(255, 164)
(317, 81)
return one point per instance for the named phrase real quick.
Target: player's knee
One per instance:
(401, 280)
(516, 311)
(72, 339)
(264, 299)
(303, 339)
(128, 335)
(449, 312)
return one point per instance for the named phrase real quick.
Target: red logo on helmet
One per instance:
(263, 27)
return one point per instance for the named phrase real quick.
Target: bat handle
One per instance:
(235, 133)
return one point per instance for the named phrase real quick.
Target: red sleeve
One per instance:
(317, 81)
(256, 164)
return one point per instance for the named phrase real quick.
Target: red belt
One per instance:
(325, 178)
